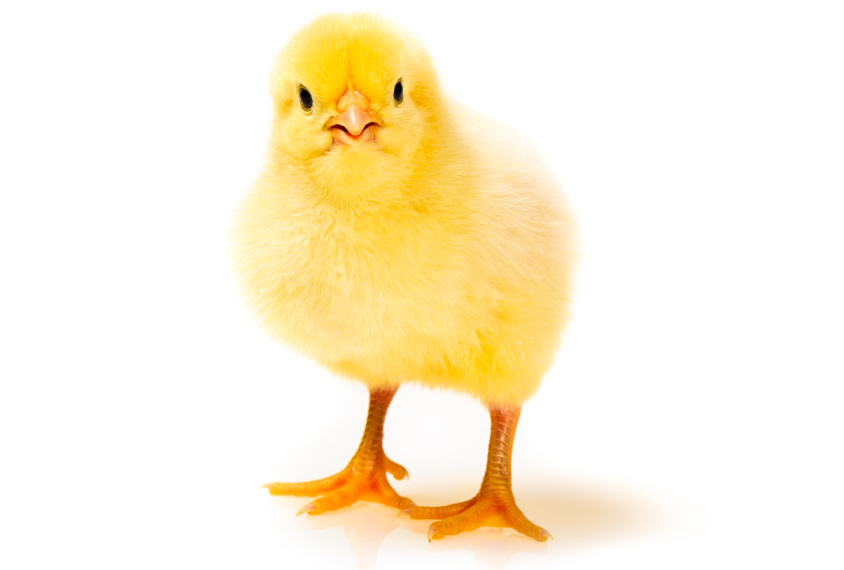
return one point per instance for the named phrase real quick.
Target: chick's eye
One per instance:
(305, 97)
(398, 92)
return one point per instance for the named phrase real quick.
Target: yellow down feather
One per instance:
(442, 255)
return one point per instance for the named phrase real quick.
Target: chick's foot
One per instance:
(487, 508)
(494, 505)
(364, 478)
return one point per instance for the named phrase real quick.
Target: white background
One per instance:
(693, 419)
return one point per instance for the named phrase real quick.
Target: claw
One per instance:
(404, 512)
(544, 532)
(431, 532)
(306, 509)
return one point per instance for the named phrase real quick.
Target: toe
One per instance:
(441, 512)
(389, 497)
(307, 488)
(519, 522)
(395, 469)
(470, 519)
(331, 502)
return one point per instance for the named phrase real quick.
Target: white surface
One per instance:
(693, 419)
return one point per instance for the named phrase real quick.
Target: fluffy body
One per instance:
(442, 254)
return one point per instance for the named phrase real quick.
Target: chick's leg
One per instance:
(365, 477)
(494, 505)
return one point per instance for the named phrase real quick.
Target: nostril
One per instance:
(348, 132)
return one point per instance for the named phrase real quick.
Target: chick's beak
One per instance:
(355, 124)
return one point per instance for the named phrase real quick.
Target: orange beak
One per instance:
(354, 125)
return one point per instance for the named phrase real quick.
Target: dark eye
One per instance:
(305, 97)
(398, 92)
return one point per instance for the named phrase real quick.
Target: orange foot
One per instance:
(494, 504)
(364, 478)
(487, 508)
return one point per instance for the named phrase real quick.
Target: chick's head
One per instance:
(357, 105)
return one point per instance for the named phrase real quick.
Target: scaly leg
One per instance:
(494, 504)
(365, 477)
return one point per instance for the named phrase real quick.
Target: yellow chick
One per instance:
(396, 237)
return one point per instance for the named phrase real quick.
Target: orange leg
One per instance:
(365, 477)
(494, 504)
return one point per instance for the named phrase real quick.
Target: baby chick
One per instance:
(396, 237)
